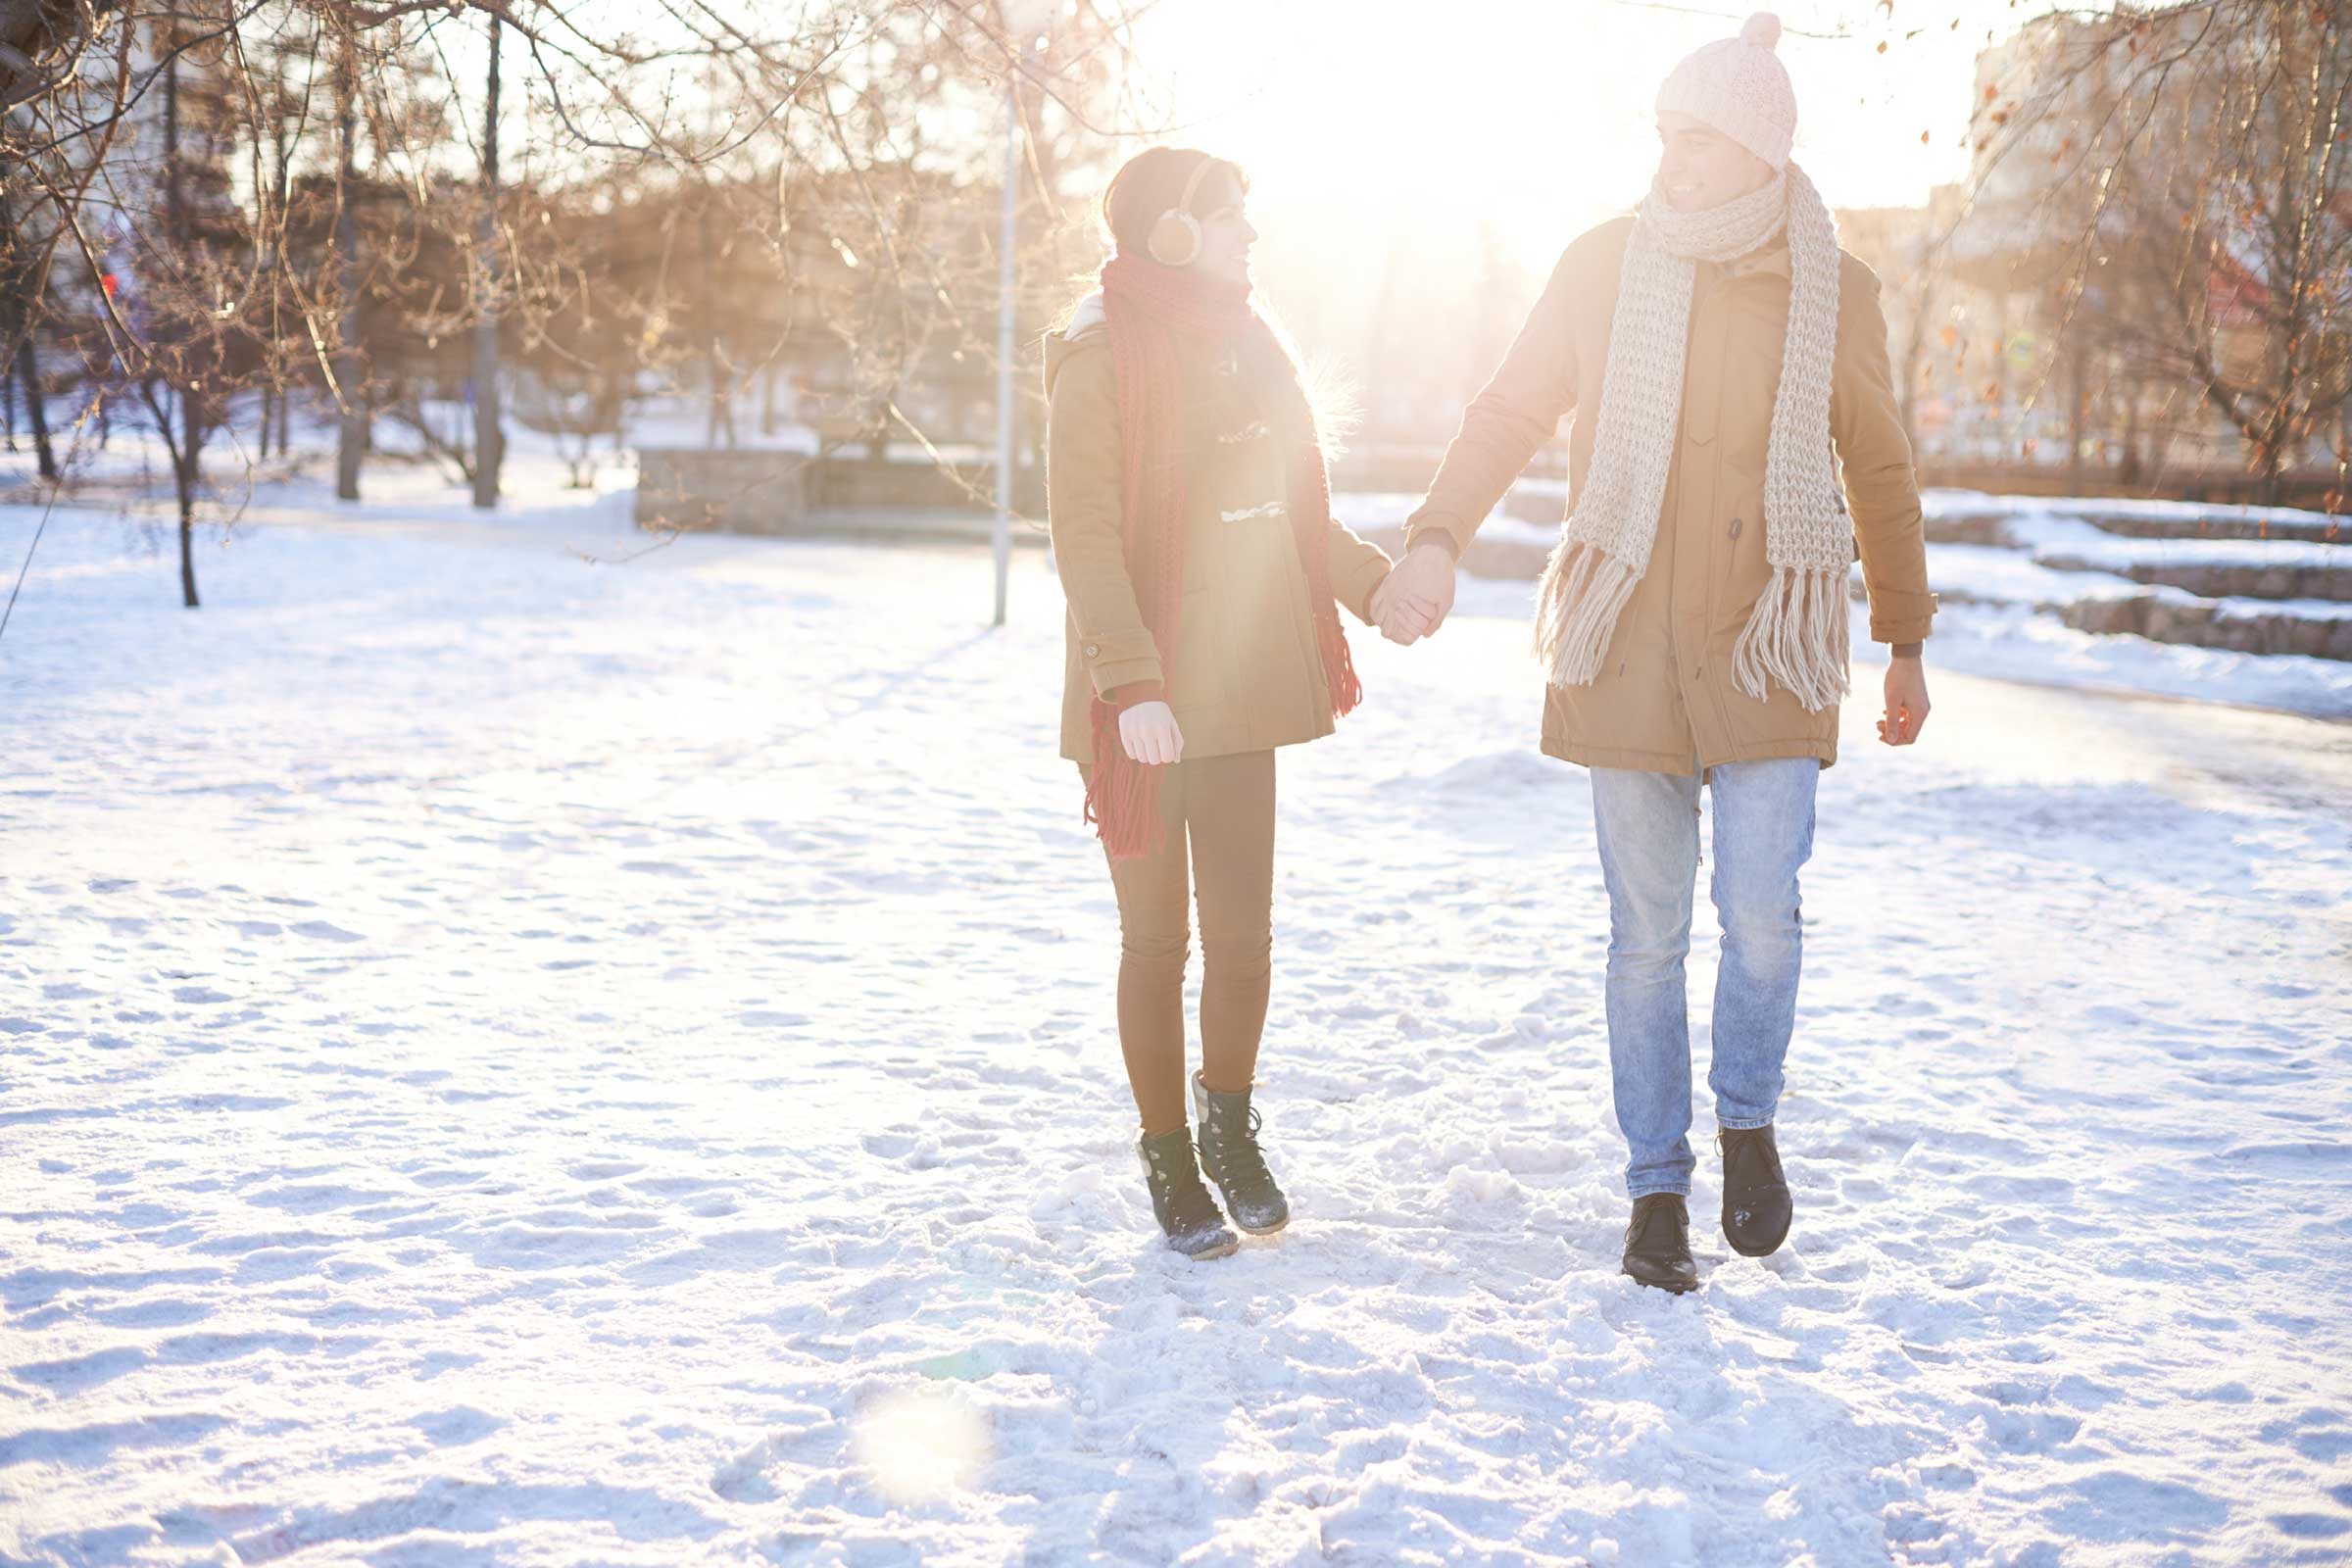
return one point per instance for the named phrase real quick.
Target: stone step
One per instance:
(2216, 623)
(2220, 579)
(1966, 517)
(1964, 527)
(2224, 524)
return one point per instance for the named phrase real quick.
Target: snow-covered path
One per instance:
(509, 1060)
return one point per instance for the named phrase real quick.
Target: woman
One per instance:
(1191, 515)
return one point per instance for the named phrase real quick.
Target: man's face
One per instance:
(1699, 168)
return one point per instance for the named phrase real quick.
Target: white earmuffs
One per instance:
(1176, 238)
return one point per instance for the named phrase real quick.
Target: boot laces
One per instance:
(1240, 1160)
(1177, 1185)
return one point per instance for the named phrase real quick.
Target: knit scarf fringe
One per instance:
(1585, 590)
(1339, 670)
(1123, 797)
(1796, 635)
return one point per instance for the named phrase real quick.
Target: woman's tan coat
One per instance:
(1665, 701)
(1246, 674)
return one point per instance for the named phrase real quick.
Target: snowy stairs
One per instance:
(2250, 580)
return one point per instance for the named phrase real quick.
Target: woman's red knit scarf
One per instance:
(1157, 314)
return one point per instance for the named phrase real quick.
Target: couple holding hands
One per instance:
(1737, 442)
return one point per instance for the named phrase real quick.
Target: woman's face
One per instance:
(1699, 168)
(1225, 232)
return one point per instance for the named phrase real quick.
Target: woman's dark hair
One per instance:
(1153, 181)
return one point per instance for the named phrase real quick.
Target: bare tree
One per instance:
(23, 293)
(710, 194)
(489, 438)
(2195, 224)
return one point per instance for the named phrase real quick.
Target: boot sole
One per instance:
(1211, 1254)
(1275, 1229)
(1657, 1285)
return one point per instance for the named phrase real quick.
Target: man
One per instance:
(1715, 348)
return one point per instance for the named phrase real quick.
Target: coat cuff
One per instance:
(1110, 674)
(1114, 658)
(1905, 649)
(1900, 616)
(1362, 582)
(1434, 532)
(1134, 692)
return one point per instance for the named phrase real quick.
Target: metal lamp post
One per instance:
(1023, 21)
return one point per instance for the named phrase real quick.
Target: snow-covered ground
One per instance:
(506, 1058)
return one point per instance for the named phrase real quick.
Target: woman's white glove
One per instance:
(1148, 732)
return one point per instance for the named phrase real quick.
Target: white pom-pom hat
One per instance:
(1738, 86)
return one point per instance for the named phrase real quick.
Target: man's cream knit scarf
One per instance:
(1797, 633)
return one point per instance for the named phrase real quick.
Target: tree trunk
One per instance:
(2077, 408)
(183, 455)
(721, 389)
(275, 393)
(2133, 469)
(29, 374)
(25, 292)
(183, 474)
(489, 437)
(352, 442)
(187, 551)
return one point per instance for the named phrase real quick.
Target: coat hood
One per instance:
(1087, 330)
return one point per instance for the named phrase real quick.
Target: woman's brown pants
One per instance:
(1219, 816)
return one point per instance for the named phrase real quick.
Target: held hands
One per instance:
(1412, 602)
(1148, 732)
(1906, 703)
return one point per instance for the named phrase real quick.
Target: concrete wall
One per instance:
(756, 491)
(723, 491)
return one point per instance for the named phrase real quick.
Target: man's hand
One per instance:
(1413, 601)
(1383, 599)
(1148, 732)
(1906, 701)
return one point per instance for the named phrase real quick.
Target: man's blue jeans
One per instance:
(1648, 828)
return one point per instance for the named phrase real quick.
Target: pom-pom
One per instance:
(1763, 31)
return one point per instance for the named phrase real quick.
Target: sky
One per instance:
(1377, 122)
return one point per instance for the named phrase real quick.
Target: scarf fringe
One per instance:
(1585, 590)
(1796, 636)
(1338, 669)
(1797, 633)
(1122, 799)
